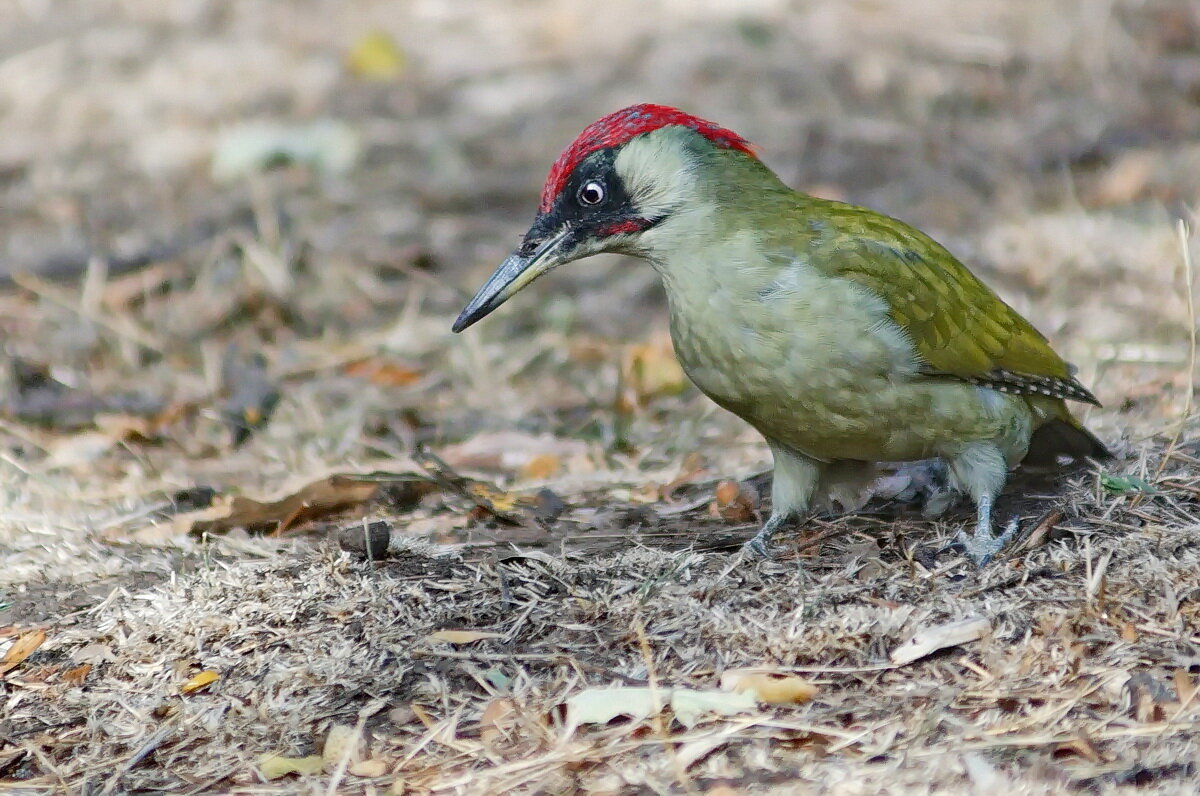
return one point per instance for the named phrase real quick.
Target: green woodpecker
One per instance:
(845, 337)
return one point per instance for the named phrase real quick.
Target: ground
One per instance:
(190, 338)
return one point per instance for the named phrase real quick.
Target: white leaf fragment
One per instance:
(932, 639)
(602, 705)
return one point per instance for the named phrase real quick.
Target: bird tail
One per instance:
(1063, 436)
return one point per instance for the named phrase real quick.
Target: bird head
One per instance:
(621, 178)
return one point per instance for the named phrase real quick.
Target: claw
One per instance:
(982, 547)
(758, 546)
(953, 547)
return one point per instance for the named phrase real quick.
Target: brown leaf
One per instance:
(497, 721)
(541, 467)
(734, 503)
(769, 686)
(461, 636)
(333, 495)
(77, 675)
(383, 373)
(1079, 747)
(21, 649)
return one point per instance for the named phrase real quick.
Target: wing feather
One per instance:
(960, 327)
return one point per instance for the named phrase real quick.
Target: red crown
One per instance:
(619, 127)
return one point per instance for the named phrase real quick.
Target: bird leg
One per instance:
(792, 486)
(759, 544)
(983, 546)
(980, 470)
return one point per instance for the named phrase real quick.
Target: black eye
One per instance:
(592, 193)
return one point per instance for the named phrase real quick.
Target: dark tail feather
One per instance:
(1063, 437)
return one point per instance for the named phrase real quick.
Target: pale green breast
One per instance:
(815, 362)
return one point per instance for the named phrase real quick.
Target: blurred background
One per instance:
(309, 191)
(234, 236)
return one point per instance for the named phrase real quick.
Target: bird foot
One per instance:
(758, 546)
(981, 547)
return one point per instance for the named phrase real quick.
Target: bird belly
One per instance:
(816, 364)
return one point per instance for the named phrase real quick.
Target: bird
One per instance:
(845, 337)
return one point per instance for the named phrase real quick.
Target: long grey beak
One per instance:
(514, 273)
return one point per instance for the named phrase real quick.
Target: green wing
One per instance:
(959, 326)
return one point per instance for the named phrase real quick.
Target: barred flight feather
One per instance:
(1026, 384)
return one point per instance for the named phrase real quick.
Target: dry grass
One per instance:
(1053, 149)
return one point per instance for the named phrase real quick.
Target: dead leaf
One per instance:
(691, 706)
(385, 374)
(461, 636)
(341, 742)
(376, 56)
(198, 681)
(1185, 689)
(84, 448)
(651, 370)
(1079, 747)
(602, 705)
(541, 467)
(497, 721)
(1126, 180)
(22, 648)
(371, 769)
(333, 495)
(514, 451)
(932, 639)
(93, 653)
(77, 675)
(486, 497)
(273, 766)
(734, 503)
(770, 686)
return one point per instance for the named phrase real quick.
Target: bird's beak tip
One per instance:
(517, 271)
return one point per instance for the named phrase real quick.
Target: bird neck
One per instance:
(729, 208)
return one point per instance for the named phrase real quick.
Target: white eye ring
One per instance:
(592, 193)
